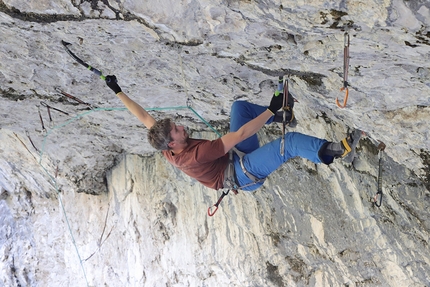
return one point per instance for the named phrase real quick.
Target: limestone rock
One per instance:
(88, 202)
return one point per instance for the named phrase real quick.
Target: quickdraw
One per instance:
(74, 98)
(229, 178)
(41, 121)
(29, 138)
(379, 192)
(345, 71)
(49, 113)
(284, 114)
(229, 182)
(92, 69)
(48, 107)
(210, 213)
(226, 192)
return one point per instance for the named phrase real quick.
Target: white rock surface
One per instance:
(96, 206)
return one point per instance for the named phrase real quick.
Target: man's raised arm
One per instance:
(131, 105)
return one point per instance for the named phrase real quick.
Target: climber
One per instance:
(207, 160)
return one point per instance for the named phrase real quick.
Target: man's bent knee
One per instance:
(238, 105)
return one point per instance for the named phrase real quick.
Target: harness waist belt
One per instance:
(230, 180)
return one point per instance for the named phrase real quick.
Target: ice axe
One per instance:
(77, 59)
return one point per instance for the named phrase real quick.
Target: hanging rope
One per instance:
(95, 109)
(53, 179)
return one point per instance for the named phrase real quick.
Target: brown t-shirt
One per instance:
(203, 160)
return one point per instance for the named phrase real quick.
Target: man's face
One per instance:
(178, 134)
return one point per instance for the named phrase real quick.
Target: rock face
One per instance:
(88, 202)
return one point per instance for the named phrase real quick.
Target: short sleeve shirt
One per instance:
(203, 160)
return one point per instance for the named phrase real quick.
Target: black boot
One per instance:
(335, 150)
(332, 150)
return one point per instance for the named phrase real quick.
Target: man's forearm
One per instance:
(137, 110)
(250, 128)
(253, 126)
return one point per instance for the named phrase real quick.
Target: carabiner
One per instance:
(345, 99)
(217, 203)
(209, 210)
(375, 199)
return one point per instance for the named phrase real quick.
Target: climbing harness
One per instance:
(379, 192)
(74, 98)
(92, 69)
(284, 114)
(248, 174)
(229, 175)
(230, 181)
(345, 71)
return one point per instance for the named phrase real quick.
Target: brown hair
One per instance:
(159, 134)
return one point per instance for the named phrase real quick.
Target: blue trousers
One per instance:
(262, 161)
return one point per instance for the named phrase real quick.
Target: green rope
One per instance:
(53, 179)
(104, 109)
(203, 120)
(67, 221)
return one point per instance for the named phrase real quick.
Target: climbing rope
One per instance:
(47, 133)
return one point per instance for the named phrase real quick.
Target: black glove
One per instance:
(276, 103)
(112, 83)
